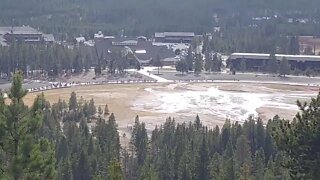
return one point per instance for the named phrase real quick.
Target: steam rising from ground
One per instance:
(212, 101)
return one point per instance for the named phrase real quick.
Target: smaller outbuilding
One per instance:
(174, 37)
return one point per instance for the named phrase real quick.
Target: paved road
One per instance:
(146, 71)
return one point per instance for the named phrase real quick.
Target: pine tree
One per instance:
(77, 64)
(139, 140)
(260, 134)
(100, 111)
(87, 63)
(249, 130)
(65, 170)
(228, 168)
(182, 66)
(269, 147)
(269, 174)
(259, 164)
(228, 162)
(189, 59)
(148, 171)
(208, 61)
(245, 172)
(280, 171)
(85, 108)
(225, 134)
(186, 169)
(293, 46)
(203, 160)
(91, 146)
(216, 63)
(106, 110)
(113, 143)
(299, 139)
(82, 170)
(62, 149)
(198, 64)
(84, 129)
(205, 45)
(166, 163)
(272, 64)
(243, 157)
(284, 67)
(73, 104)
(72, 133)
(158, 63)
(25, 155)
(115, 171)
(91, 108)
(216, 169)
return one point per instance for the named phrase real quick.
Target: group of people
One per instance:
(58, 85)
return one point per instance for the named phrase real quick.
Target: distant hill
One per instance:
(138, 17)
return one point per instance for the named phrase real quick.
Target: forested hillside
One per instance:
(141, 17)
(58, 141)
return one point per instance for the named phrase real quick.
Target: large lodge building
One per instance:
(257, 62)
(26, 34)
(143, 51)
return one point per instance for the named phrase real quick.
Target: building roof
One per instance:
(279, 57)
(187, 34)
(3, 43)
(2, 39)
(171, 59)
(48, 37)
(144, 61)
(144, 58)
(159, 35)
(109, 37)
(143, 50)
(140, 51)
(89, 43)
(173, 34)
(125, 43)
(98, 35)
(142, 37)
(80, 39)
(19, 30)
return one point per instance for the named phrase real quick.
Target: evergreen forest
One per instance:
(241, 21)
(55, 141)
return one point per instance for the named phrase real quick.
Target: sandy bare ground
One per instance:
(119, 98)
(122, 100)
